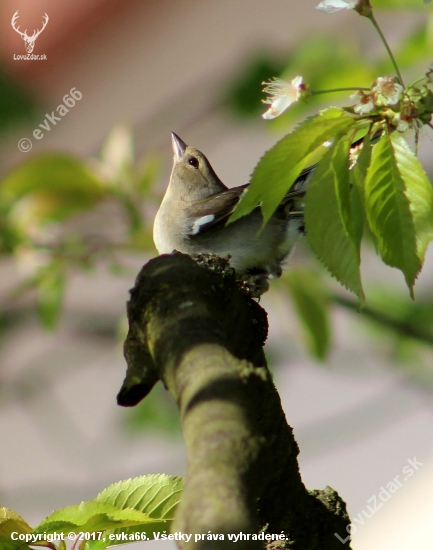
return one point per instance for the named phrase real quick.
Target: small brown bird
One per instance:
(196, 206)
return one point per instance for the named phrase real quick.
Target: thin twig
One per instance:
(400, 327)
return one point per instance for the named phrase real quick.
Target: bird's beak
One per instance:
(179, 146)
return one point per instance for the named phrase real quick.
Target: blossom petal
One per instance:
(278, 106)
(330, 6)
(297, 82)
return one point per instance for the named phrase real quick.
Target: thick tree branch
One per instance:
(192, 328)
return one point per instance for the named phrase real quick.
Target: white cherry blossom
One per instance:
(282, 95)
(365, 103)
(330, 6)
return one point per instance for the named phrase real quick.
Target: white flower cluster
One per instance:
(387, 91)
(404, 109)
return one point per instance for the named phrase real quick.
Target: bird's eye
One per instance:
(193, 161)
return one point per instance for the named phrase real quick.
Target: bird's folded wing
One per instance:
(214, 211)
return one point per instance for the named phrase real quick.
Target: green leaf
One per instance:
(90, 517)
(280, 166)
(51, 187)
(388, 211)
(155, 495)
(419, 192)
(329, 219)
(51, 286)
(359, 172)
(143, 505)
(11, 522)
(310, 300)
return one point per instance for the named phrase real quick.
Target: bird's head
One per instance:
(192, 172)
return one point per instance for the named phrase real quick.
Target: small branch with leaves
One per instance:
(380, 182)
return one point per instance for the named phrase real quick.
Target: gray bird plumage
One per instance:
(196, 206)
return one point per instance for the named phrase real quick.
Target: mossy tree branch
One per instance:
(192, 328)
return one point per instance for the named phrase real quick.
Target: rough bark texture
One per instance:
(191, 327)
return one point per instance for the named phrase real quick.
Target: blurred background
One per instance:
(76, 212)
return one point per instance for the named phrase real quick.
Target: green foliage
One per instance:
(123, 512)
(50, 187)
(11, 522)
(91, 516)
(155, 495)
(357, 178)
(38, 198)
(310, 298)
(279, 167)
(330, 61)
(419, 193)
(329, 219)
(388, 186)
(385, 187)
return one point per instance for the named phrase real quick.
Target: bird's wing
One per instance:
(214, 211)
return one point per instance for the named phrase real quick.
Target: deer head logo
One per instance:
(29, 41)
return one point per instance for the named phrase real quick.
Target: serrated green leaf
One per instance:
(279, 167)
(143, 505)
(329, 220)
(89, 517)
(310, 300)
(340, 166)
(156, 495)
(419, 192)
(359, 172)
(388, 212)
(11, 522)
